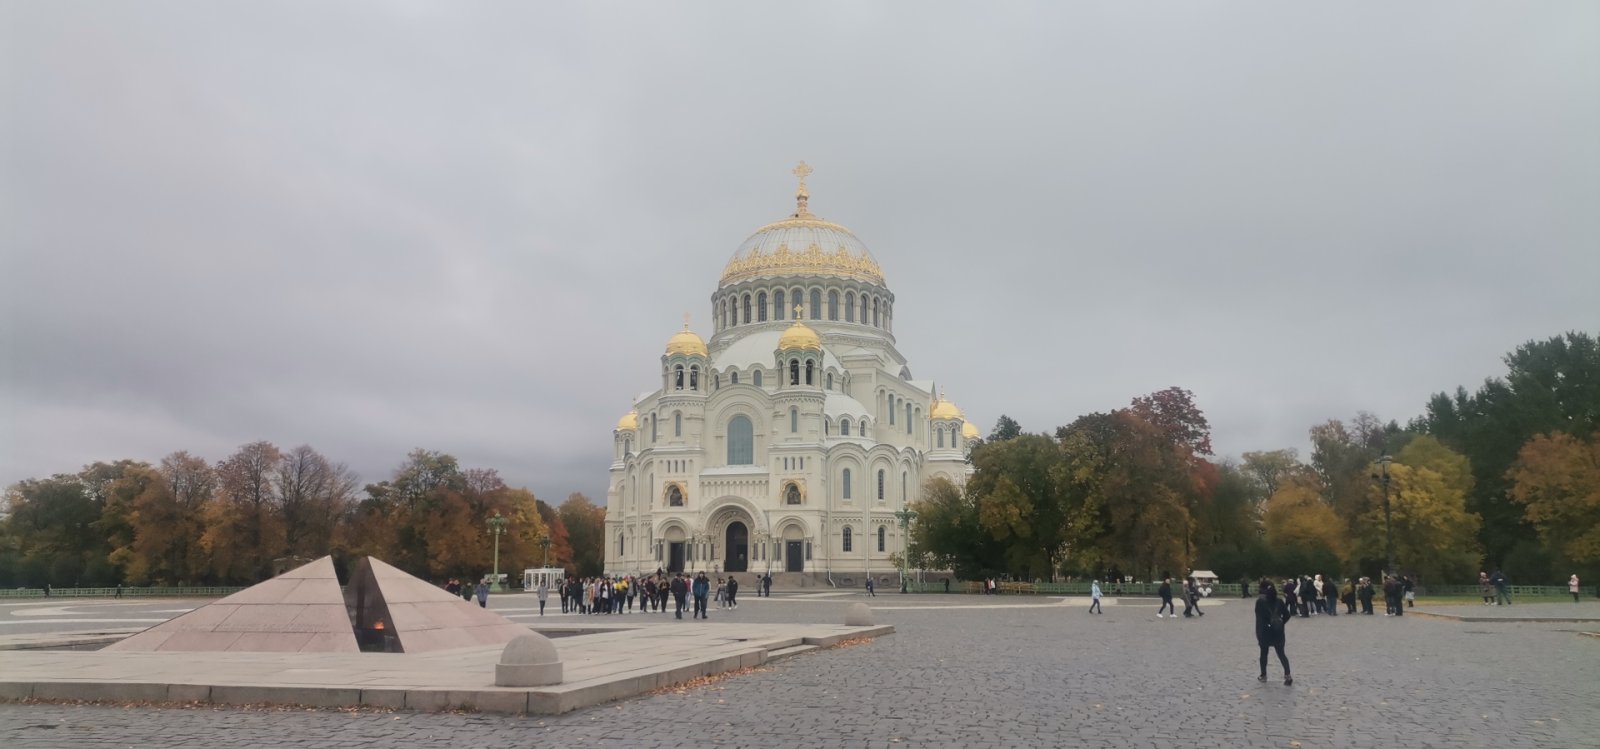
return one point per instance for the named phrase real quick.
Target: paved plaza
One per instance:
(978, 672)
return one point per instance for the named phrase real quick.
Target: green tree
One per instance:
(949, 535)
(1004, 429)
(1550, 386)
(1435, 537)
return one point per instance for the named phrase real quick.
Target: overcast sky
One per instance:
(372, 227)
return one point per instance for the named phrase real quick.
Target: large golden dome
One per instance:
(969, 431)
(943, 409)
(802, 245)
(686, 342)
(800, 336)
(628, 422)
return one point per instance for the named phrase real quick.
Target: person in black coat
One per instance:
(1271, 618)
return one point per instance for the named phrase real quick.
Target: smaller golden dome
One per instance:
(800, 336)
(969, 431)
(628, 422)
(686, 342)
(943, 409)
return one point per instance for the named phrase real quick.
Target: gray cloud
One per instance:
(372, 227)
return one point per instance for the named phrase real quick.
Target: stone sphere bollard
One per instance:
(530, 660)
(858, 615)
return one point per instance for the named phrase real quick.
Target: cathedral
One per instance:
(790, 441)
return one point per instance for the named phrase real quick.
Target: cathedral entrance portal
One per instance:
(794, 559)
(738, 546)
(675, 556)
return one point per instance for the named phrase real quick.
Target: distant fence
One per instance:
(128, 591)
(1222, 590)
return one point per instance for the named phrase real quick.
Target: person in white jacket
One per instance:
(1094, 595)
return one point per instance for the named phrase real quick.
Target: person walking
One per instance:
(1502, 588)
(680, 592)
(766, 585)
(1408, 591)
(733, 592)
(722, 593)
(1364, 592)
(702, 589)
(1330, 596)
(483, 593)
(1349, 596)
(1485, 590)
(1193, 597)
(1572, 587)
(1272, 618)
(544, 595)
(1165, 592)
(1094, 597)
(870, 590)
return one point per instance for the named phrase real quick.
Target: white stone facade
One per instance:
(782, 445)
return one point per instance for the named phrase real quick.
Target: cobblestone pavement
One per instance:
(1032, 673)
(1587, 609)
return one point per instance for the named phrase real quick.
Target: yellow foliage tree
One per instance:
(1556, 478)
(1296, 516)
(1435, 538)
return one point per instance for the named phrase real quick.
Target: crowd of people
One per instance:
(660, 592)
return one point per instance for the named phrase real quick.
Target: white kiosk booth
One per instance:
(533, 577)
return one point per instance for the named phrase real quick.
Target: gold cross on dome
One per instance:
(802, 171)
(685, 321)
(797, 308)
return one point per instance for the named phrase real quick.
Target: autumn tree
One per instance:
(1556, 480)
(244, 528)
(315, 495)
(586, 531)
(1301, 528)
(1269, 468)
(1435, 537)
(168, 521)
(1027, 500)
(560, 546)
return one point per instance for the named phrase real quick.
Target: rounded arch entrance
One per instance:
(732, 525)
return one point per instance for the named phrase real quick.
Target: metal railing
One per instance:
(175, 591)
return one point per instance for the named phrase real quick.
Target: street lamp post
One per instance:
(545, 542)
(497, 526)
(906, 515)
(1388, 522)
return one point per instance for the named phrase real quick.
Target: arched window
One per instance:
(833, 305)
(620, 546)
(941, 438)
(694, 378)
(777, 307)
(627, 448)
(726, 319)
(741, 441)
(747, 317)
(882, 537)
(844, 427)
(794, 371)
(794, 420)
(677, 377)
(733, 378)
(674, 496)
(847, 539)
(953, 442)
(849, 307)
(874, 311)
(677, 423)
(816, 304)
(761, 306)
(880, 485)
(653, 429)
(905, 480)
(830, 380)
(755, 378)
(810, 366)
(827, 428)
(891, 408)
(846, 483)
(908, 418)
(791, 495)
